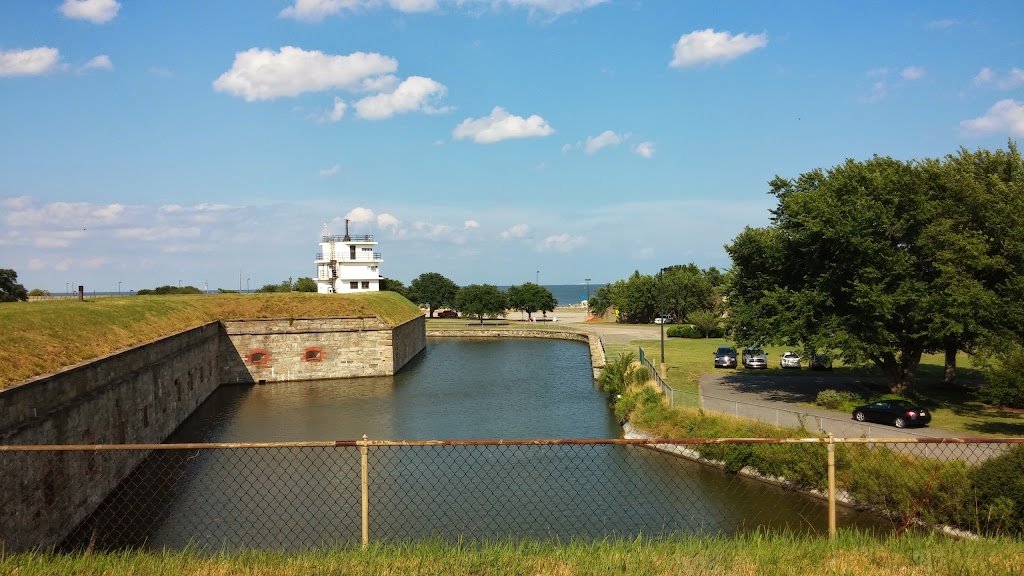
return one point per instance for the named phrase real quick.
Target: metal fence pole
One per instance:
(365, 464)
(831, 487)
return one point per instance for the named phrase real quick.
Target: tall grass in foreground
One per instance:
(761, 554)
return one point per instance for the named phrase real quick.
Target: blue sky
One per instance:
(149, 143)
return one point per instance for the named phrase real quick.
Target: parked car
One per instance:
(447, 314)
(666, 319)
(821, 362)
(725, 357)
(790, 360)
(899, 413)
(754, 358)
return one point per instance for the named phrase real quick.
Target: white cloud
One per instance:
(433, 231)
(645, 149)
(878, 92)
(707, 46)
(95, 11)
(912, 73)
(336, 113)
(1004, 117)
(74, 215)
(36, 264)
(317, 10)
(606, 138)
(416, 93)
(265, 75)
(63, 265)
(515, 231)
(161, 72)
(327, 172)
(57, 238)
(101, 62)
(154, 233)
(500, 125)
(31, 62)
(566, 148)
(388, 221)
(93, 263)
(985, 75)
(360, 215)
(561, 243)
(940, 24)
(472, 224)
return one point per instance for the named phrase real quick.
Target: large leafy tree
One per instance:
(10, 290)
(305, 284)
(434, 291)
(531, 298)
(877, 260)
(481, 300)
(636, 298)
(686, 289)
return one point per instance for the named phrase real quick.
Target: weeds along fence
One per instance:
(667, 390)
(294, 496)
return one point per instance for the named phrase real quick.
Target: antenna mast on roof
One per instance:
(347, 237)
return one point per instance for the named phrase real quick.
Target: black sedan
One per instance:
(899, 413)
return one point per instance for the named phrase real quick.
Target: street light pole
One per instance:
(661, 293)
(119, 288)
(537, 281)
(246, 285)
(587, 315)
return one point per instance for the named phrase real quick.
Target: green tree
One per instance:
(636, 298)
(168, 289)
(705, 321)
(685, 289)
(434, 291)
(305, 284)
(530, 298)
(38, 292)
(10, 290)
(600, 300)
(481, 300)
(284, 286)
(882, 259)
(389, 285)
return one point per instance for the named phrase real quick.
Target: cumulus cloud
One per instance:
(415, 94)
(471, 224)
(95, 11)
(1004, 117)
(602, 140)
(500, 125)
(388, 222)
(515, 231)
(336, 113)
(57, 238)
(266, 75)
(66, 214)
(988, 77)
(644, 149)
(561, 243)
(707, 46)
(161, 72)
(912, 73)
(433, 231)
(360, 214)
(328, 172)
(31, 62)
(101, 62)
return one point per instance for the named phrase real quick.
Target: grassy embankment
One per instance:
(43, 337)
(768, 555)
(952, 409)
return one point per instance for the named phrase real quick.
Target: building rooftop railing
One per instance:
(321, 257)
(349, 238)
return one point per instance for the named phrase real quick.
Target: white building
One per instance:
(347, 264)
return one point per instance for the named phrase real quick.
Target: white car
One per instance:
(666, 319)
(790, 360)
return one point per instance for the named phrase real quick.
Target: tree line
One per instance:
(435, 291)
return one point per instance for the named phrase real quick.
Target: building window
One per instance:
(366, 285)
(353, 285)
(258, 358)
(313, 354)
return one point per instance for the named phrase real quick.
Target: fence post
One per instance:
(831, 487)
(365, 465)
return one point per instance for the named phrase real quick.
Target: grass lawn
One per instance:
(751, 553)
(952, 409)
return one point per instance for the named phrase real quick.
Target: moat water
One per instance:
(296, 498)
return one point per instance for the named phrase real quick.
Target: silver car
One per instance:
(754, 358)
(790, 360)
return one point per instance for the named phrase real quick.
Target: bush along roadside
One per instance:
(986, 498)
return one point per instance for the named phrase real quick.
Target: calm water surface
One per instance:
(456, 389)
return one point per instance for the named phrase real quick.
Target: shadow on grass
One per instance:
(802, 386)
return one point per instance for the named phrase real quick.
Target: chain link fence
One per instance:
(299, 496)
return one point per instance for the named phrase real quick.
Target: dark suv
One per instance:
(725, 357)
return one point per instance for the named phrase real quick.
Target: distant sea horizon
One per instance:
(568, 294)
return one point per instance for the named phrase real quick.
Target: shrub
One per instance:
(684, 331)
(613, 378)
(1004, 384)
(834, 400)
(640, 375)
(997, 506)
(38, 292)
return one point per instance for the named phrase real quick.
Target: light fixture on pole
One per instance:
(118, 287)
(537, 281)
(246, 285)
